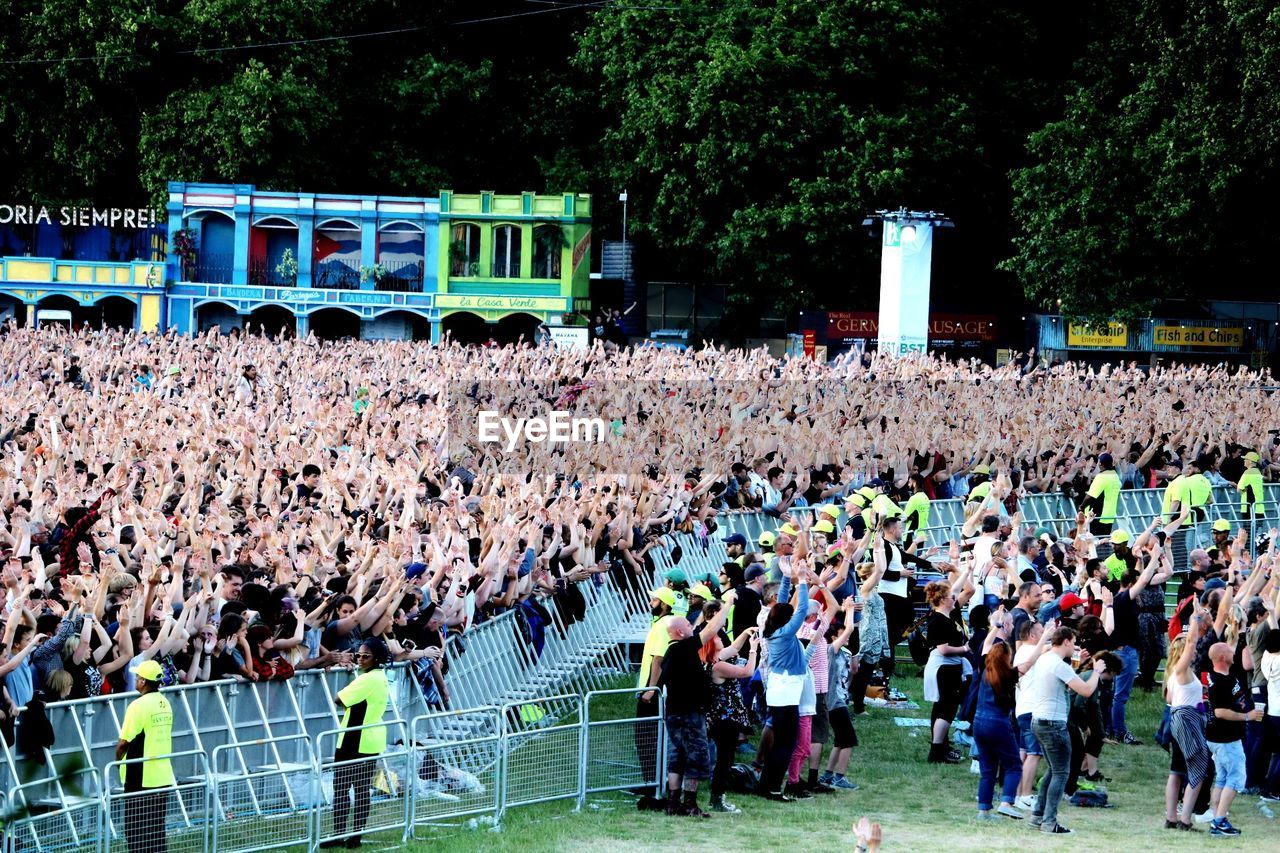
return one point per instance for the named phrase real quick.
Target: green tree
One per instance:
(754, 136)
(1156, 182)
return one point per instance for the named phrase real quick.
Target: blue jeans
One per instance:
(1055, 740)
(997, 749)
(1124, 686)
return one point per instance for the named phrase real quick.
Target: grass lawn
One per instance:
(920, 806)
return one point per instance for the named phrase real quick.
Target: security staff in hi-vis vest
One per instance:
(146, 742)
(363, 739)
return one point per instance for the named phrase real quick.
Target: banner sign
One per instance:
(570, 337)
(906, 256)
(853, 325)
(501, 303)
(83, 217)
(1198, 336)
(1115, 336)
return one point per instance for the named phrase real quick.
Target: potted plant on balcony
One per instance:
(287, 269)
(183, 243)
(551, 240)
(459, 263)
(377, 272)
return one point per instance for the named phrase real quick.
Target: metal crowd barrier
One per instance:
(620, 753)
(539, 760)
(175, 819)
(375, 791)
(456, 764)
(442, 767)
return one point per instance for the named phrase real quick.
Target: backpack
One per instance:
(743, 779)
(1091, 799)
(918, 643)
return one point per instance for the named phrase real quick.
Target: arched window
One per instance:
(548, 243)
(506, 251)
(464, 250)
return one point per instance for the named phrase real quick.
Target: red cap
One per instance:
(1069, 601)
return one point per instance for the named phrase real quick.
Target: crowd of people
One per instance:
(243, 506)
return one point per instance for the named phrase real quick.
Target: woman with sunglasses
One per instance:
(363, 739)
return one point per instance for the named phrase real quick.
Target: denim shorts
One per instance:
(1026, 739)
(1228, 764)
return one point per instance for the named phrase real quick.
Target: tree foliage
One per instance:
(1106, 153)
(1157, 179)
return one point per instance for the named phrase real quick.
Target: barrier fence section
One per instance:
(174, 819)
(457, 758)
(366, 793)
(263, 794)
(541, 751)
(626, 752)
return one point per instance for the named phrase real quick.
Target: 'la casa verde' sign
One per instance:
(82, 217)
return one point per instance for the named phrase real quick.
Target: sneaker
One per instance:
(354, 842)
(719, 804)
(1054, 829)
(1096, 776)
(987, 816)
(1009, 811)
(1205, 817)
(1222, 828)
(1036, 820)
(1026, 801)
(1269, 797)
(802, 794)
(1111, 738)
(778, 797)
(1130, 740)
(1186, 827)
(1170, 824)
(826, 778)
(844, 784)
(822, 788)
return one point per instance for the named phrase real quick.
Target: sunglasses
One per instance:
(363, 655)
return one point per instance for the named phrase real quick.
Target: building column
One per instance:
(303, 324)
(526, 250)
(243, 212)
(306, 237)
(437, 329)
(368, 238)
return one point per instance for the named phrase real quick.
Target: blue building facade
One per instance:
(234, 256)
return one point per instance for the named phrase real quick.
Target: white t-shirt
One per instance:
(1271, 669)
(1045, 688)
(1024, 653)
(991, 584)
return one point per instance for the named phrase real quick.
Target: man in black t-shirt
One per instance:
(1232, 705)
(687, 685)
(1124, 642)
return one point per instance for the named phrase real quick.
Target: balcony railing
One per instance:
(336, 275)
(263, 272)
(209, 268)
(401, 277)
